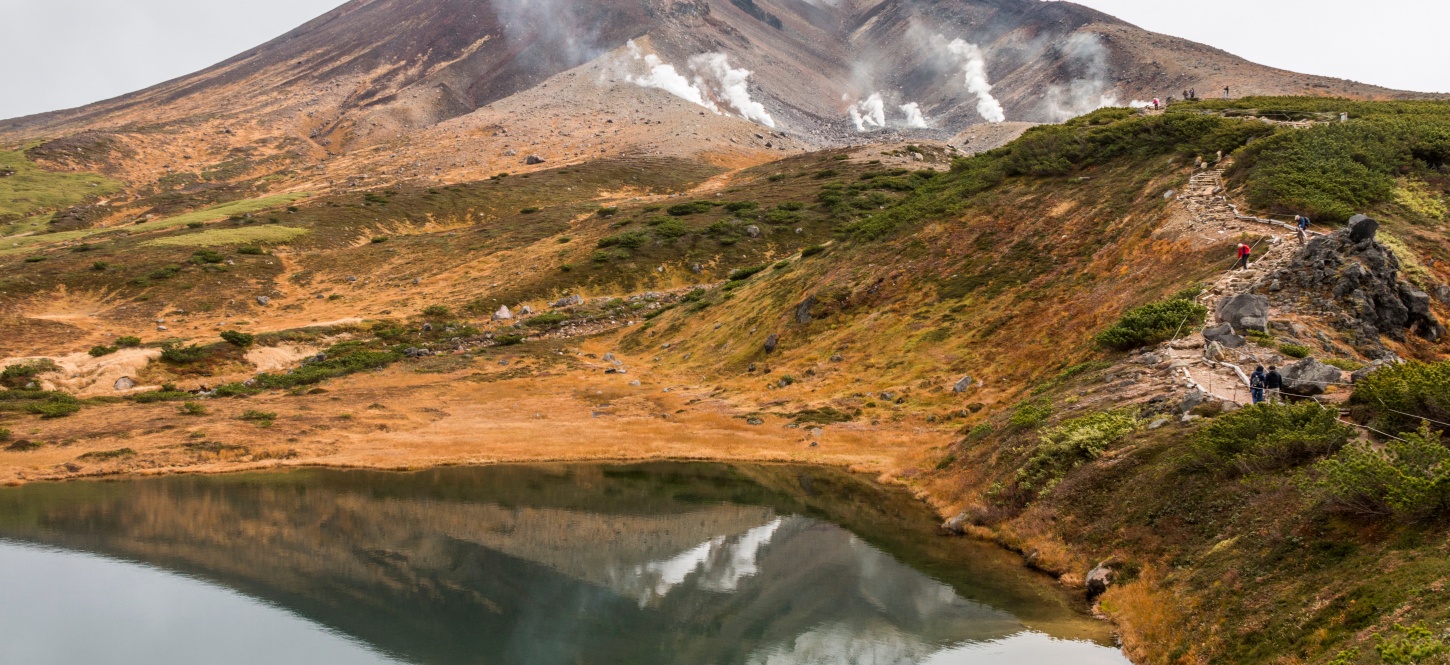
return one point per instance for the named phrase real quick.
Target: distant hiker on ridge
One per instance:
(1302, 224)
(1225, 92)
(1244, 253)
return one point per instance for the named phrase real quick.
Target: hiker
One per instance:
(1274, 385)
(1193, 93)
(1302, 223)
(1244, 253)
(1256, 384)
(1225, 92)
(1155, 103)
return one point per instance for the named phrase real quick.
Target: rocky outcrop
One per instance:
(1245, 311)
(803, 310)
(1309, 377)
(1350, 272)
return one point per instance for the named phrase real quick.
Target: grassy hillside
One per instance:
(873, 292)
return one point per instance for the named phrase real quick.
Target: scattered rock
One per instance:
(1191, 400)
(533, 159)
(503, 314)
(1362, 228)
(1158, 422)
(1223, 335)
(958, 524)
(125, 383)
(1214, 351)
(752, 231)
(1245, 311)
(427, 327)
(1364, 372)
(837, 358)
(526, 310)
(568, 301)
(771, 343)
(754, 421)
(962, 385)
(608, 357)
(803, 310)
(1310, 377)
(1098, 580)
(635, 383)
(263, 300)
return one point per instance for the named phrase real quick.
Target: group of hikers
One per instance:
(1191, 94)
(1271, 383)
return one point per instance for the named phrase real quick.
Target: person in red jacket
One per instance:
(1244, 252)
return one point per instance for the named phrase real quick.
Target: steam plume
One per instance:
(974, 70)
(715, 83)
(733, 85)
(914, 117)
(663, 76)
(870, 111)
(1088, 92)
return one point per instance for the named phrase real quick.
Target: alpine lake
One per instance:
(577, 564)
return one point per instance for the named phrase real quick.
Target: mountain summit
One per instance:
(822, 71)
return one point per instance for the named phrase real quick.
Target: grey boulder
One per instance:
(1309, 377)
(1245, 311)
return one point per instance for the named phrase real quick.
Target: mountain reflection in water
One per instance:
(663, 563)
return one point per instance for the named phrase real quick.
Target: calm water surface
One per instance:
(691, 564)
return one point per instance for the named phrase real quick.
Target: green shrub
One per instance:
(34, 259)
(56, 408)
(564, 240)
(812, 251)
(437, 311)
(166, 272)
(607, 212)
(1400, 396)
(22, 373)
(628, 240)
(1294, 350)
(671, 229)
(1151, 324)
(103, 455)
(742, 274)
(691, 208)
(238, 338)
(202, 256)
(379, 240)
(101, 350)
(128, 342)
(1029, 415)
(508, 339)
(1409, 477)
(261, 418)
(825, 173)
(782, 217)
(342, 360)
(167, 393)
(791, 206)
(547, 320)
(741, 206)
(1412, 645)
(4, 434)
(192, 409)
(182, 355)
(981, 431)
(1345, 364)
(253, 251)
(1265, 437)
(100, 266)
(529, 211)
(1070, 445)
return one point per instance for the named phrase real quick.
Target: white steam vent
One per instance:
(914, 117)
(869, 112)
(714, 83)
(974, 70)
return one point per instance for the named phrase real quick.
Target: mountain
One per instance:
(404, 76)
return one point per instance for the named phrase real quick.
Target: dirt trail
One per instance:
(1213, 213)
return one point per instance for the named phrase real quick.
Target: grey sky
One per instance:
(65, 53)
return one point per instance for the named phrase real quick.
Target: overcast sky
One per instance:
(65, 53)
